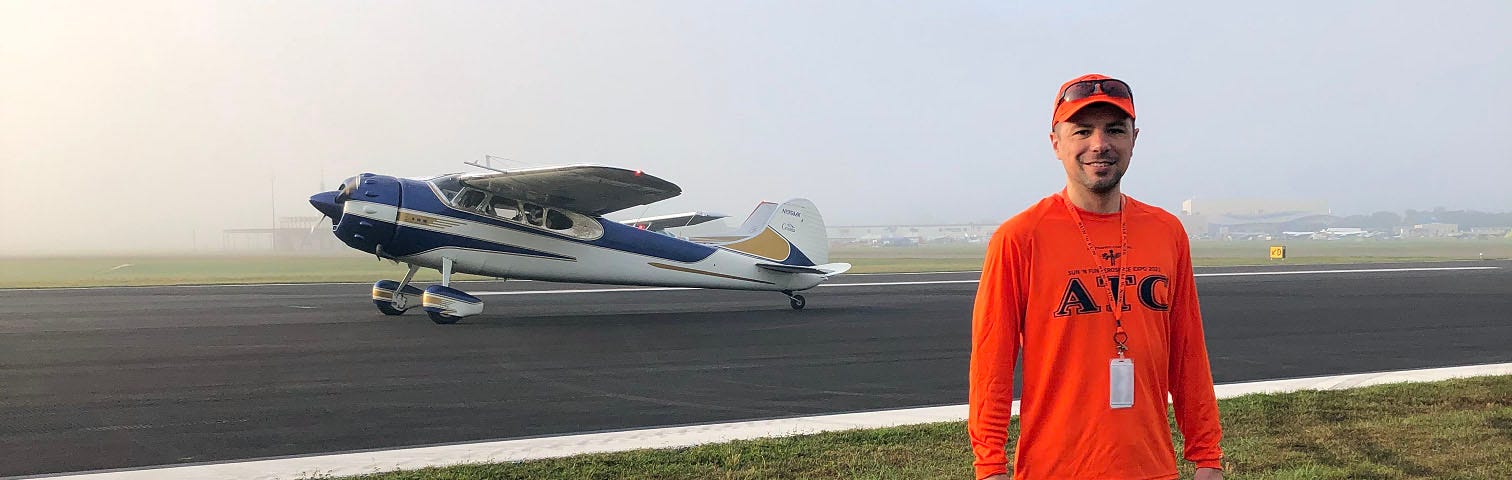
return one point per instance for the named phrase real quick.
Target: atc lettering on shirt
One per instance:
(1152, 288)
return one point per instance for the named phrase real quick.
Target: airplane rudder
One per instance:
(799, 221)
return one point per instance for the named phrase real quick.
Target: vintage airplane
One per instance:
(547, 224)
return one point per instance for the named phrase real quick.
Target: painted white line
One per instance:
(1360, 270)
(234, 285)
(886, 284)
(1219, 274)
(945, 282)
(906, 273)
(685, 288)
(342, 464)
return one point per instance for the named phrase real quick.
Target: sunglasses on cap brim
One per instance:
(1092, 88)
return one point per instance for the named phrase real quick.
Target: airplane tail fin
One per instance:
(791, 233)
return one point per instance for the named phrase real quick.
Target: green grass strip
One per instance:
(1456, 429)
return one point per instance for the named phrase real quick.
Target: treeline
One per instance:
(1463, 218)
(1388, 220)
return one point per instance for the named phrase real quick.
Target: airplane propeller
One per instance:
(316, 225)
(329, 204)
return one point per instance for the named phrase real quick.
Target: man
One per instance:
(1095, 376)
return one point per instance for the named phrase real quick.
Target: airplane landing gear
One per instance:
(445, 304)
(441, 318)
(795, 300)
(393, 298)
(388, 308)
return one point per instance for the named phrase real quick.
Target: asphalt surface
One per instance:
(122, 377)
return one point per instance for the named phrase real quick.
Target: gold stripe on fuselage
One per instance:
(702, 272)
(767, 244)
(427, 220)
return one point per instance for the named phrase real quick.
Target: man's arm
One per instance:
(994, 350)
(1190, 374)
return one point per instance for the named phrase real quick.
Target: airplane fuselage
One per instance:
(412, 221)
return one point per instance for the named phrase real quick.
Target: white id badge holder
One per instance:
(1121, 383)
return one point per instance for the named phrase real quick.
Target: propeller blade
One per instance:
(316, 225)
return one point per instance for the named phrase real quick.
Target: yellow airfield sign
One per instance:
(1278, 252)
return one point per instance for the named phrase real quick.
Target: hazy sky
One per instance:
(143, 125)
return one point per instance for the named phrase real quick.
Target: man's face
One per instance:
(1095, 145)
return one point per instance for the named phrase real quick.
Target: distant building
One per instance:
(879, 235)
(1252, 218)
(294, 234)
(910, 234)
(1431, 230)
(1490, 232)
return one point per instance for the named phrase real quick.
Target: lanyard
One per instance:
(1120, 337)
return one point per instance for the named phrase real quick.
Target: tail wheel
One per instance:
(443, 319)
(388, 308)
(797, 302)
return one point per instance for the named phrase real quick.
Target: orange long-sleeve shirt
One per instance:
(1045, 295)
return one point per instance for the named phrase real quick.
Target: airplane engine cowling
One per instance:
(370, 212)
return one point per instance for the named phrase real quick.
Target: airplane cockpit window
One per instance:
(534, 214)
(557, 221)
(470, 199)
(562, 222)
(506, 208)
(449, 186)
(573, 224)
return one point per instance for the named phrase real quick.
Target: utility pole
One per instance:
(273, 200)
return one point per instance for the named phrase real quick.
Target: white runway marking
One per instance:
(342, 464)
(685, 288)
(888, 284)
(944, 282)
(907, 273)
(1361, 270)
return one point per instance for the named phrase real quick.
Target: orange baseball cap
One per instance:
(1121, 98)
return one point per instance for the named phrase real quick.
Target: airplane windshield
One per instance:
(448, 184)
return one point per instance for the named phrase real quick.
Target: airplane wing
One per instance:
(587, 189)
(664, 222)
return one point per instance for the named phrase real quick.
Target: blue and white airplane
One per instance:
(547, 224)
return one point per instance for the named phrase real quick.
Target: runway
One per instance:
(121, 377)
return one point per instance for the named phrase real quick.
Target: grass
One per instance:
(173, 270)
(1457, 429)
(29, 272)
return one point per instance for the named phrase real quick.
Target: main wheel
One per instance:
(388, 308)
(798, 302)
(442, 318)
